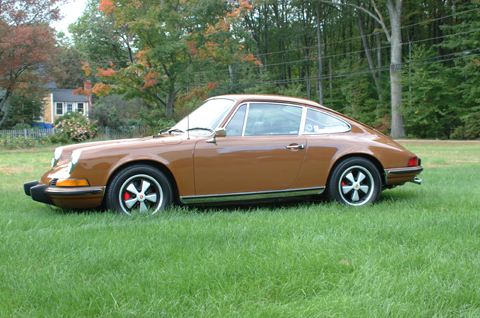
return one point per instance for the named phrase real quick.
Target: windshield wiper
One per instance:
(200, 128)
(175, 130)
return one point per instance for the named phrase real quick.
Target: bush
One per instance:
(18, 142)
(470, 129)
(22, 126)
(74, 127)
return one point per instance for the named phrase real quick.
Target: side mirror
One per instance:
(219, 132)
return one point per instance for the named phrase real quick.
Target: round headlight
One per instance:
(56, 155)
(74, 157)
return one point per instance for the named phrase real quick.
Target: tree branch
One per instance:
(379, 19)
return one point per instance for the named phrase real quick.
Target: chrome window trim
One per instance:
(324, 133)
(303, 120)
(233, 115)
(257, 195)
(245, 119)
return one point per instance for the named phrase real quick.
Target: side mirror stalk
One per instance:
(219, 132)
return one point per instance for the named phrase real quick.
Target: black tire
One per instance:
(355, 181)
(140, 188)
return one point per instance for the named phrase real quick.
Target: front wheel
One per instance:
(139, 188)
(355, 182)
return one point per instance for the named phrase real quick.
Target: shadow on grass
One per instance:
(389, 196)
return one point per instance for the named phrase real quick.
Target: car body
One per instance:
(232, 149)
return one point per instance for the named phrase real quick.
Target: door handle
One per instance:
(296, 146)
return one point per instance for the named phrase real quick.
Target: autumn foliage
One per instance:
(174, 41)
(27, 45)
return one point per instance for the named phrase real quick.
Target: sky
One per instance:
(71, 11)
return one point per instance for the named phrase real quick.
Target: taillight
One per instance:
(413, 162)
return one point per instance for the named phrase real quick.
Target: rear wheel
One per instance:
(355, 182)
(139, 188)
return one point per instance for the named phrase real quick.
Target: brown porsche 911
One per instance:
(233, 148)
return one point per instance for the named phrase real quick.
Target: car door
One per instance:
(263, 151)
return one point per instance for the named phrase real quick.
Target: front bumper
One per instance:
(65, 197)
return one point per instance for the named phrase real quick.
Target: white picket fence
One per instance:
(44, 133)
(33, 133)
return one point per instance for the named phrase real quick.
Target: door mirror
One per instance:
(219, 132)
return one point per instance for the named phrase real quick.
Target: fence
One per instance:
(103, 133)
(121, 133)
(33, 133)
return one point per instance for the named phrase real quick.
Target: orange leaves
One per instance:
(101, 89)
(79, 91)
(191, 46)
(106, 6)
(150, 80)
(196, 94)
(86, 68)
(251, 58)
(109, 72)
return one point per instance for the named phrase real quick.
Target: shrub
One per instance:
(22, 126)
(470, 129)
(18, 142)
(74, 127)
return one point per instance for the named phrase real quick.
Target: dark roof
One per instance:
(66, 95)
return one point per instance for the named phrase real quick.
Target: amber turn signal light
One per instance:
(72, 183)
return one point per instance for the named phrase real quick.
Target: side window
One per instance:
(80, 108)
(59, 109)
(235, 126)
(321, 123)
(273, 119)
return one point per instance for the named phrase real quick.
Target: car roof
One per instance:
(240, 98)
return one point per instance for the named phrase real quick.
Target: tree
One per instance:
(26, 108)
(394, 36)
(170, 41)
(26, 45)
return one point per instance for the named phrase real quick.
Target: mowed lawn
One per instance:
(414, 254)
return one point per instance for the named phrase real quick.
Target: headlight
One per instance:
(74, 160)
(56, 155)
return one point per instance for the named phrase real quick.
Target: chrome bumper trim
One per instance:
(244, 196)
(75, 191)
(405, 171)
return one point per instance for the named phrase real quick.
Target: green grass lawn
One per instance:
(414, 254)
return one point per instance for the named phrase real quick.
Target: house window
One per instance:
(80, 108)
(69, 108)
(59, 109)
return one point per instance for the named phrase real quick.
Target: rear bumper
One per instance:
(398, 176)
(71, 197)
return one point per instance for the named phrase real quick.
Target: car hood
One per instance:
(113, 145)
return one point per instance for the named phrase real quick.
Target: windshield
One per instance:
(206, 118)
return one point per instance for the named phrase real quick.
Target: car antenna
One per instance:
(188, 113)
(188, 123)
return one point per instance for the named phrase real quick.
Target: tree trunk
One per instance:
(395, 39)
(170, 100)
(230, 73)
(379, 51)
(5, 106)
(319, 52)
(398, 128)
(368, 52)
(331, 80)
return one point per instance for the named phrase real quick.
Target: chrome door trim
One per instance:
(242, 196)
